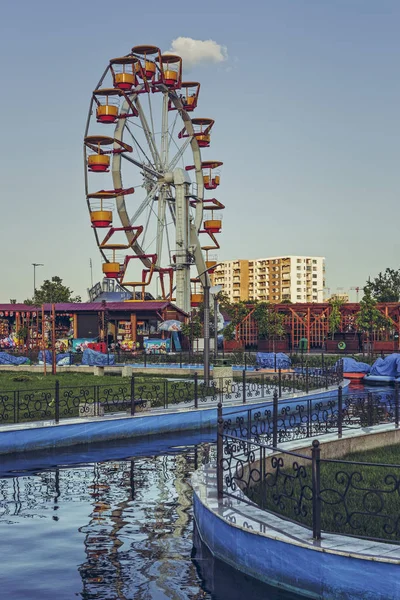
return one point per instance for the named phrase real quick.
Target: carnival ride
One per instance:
(140, 134)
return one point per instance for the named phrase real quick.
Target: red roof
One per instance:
(152, 305)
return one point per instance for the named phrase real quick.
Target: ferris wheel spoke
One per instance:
(179, 154)
(146, 228)
(162, 199)
(138, 145)
(146, 202)
(171, 133)
(148, 134)
(164, 131)
(141, 165)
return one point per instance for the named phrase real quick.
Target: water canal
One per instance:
(111, 523)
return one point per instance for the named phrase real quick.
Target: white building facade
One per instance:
(274, 279)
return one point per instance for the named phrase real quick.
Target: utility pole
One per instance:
(34, 275)
(357, 290)
(91, 272)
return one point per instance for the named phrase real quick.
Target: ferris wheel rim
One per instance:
(162, 179)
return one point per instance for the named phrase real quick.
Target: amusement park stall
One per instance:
(98, 324)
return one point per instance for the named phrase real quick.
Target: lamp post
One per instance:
(215, 290)
(34, 265)
(206, 290)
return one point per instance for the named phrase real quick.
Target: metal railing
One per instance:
(138, 394)
(352, 498)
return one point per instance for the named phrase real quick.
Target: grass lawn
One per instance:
(356, 499)
(28, 396)
(12, 380)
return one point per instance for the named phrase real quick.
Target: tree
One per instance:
(385, 287)
(193, 328)
(52, 291)
(369, 318)
(335, 315)
(269, 322)
(237, 311)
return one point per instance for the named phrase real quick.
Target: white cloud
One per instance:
(194, 52)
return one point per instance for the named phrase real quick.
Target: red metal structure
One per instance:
(311, 321)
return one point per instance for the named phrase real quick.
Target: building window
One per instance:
(314, 262)
(298, 297)
(315, 276)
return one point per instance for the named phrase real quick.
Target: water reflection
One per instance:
(117, 529)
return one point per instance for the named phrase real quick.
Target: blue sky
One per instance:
(307, 124)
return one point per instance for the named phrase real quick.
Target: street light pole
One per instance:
(206, 288)
(34, 275)
(206, 291)
(215, 326)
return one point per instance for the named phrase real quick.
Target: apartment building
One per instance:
(274, 279)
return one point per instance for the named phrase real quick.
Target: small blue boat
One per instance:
(384, 371)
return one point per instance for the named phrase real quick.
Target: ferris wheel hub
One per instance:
(168, 177)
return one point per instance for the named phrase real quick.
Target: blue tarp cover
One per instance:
(9, 359)
(96, 359)
(266, 360)
(351, 365)
(387, 367)
(47, 354)
(63, 359)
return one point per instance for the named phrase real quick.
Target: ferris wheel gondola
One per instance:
(153, 211)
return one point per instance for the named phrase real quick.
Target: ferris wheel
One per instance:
(146, 178)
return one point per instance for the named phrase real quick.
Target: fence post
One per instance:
(307, 380)
(180, 359)
(262, 474)
(326, 379)
(275, 362)
(280, 382)
(308, 417)
(340, 411)
(220, 452)
(396, 404)
(370, 409)
(145, 359)
(96, 401)
(316, 489)
(165, 393)
(16, 403)
(244, 386)
(57, 402)
(245, 361)
(249, 425)
(133, 396)
(196, 390)
(275, 419)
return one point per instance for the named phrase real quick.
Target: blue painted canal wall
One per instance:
(314, 573)
(31, 437)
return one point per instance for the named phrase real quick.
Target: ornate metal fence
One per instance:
(337, 496)
(139, 394)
